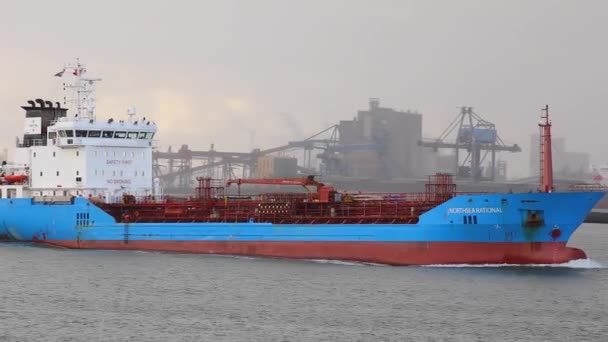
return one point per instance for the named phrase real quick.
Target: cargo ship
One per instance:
(88, 184)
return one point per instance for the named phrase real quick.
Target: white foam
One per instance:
(344, 263)
(243, 257)
(581, 263)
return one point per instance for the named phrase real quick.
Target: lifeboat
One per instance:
(15, 178)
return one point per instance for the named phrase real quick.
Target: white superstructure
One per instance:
(81, 155)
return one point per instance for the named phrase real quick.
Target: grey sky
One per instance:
(216, 71)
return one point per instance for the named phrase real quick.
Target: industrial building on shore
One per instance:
(379, 143)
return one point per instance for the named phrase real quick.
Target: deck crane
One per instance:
(474, 135)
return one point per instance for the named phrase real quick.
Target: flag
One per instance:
(59, 74)
(79, 71)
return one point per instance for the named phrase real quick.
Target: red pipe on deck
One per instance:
(303, 181)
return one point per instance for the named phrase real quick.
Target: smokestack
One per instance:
(49, 104)
(32, 103)
(58, 104)
(41, 102)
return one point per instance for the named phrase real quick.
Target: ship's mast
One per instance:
(81, 88)
(546, 159)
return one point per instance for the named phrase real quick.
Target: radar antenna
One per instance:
(81, 88)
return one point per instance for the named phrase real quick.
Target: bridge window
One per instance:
(150, 135)
(120, 135)
(94, 134)
(69, 133)
(142, 135)
(81, 133)
(62, 134)
(475, 219)
(132, 135)
(107, 134)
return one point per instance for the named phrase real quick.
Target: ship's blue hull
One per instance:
(494, 228)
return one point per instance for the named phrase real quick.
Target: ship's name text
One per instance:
(118, 162)
(119, 181)
(475, 211)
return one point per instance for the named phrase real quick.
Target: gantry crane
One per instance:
(476, 136)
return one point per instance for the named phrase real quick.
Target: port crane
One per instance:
(475, 136)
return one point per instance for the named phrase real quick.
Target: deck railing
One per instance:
(588, 187)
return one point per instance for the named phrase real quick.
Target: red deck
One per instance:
(325, 205)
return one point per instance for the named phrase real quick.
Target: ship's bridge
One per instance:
(79, 132)
(80, 155)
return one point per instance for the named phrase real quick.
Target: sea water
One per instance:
(50, 294)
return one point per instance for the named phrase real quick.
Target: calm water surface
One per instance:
(66, 295)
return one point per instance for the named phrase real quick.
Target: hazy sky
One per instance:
(237, 73)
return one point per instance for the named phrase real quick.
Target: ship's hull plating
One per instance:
(391, 253)
(471, 229)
